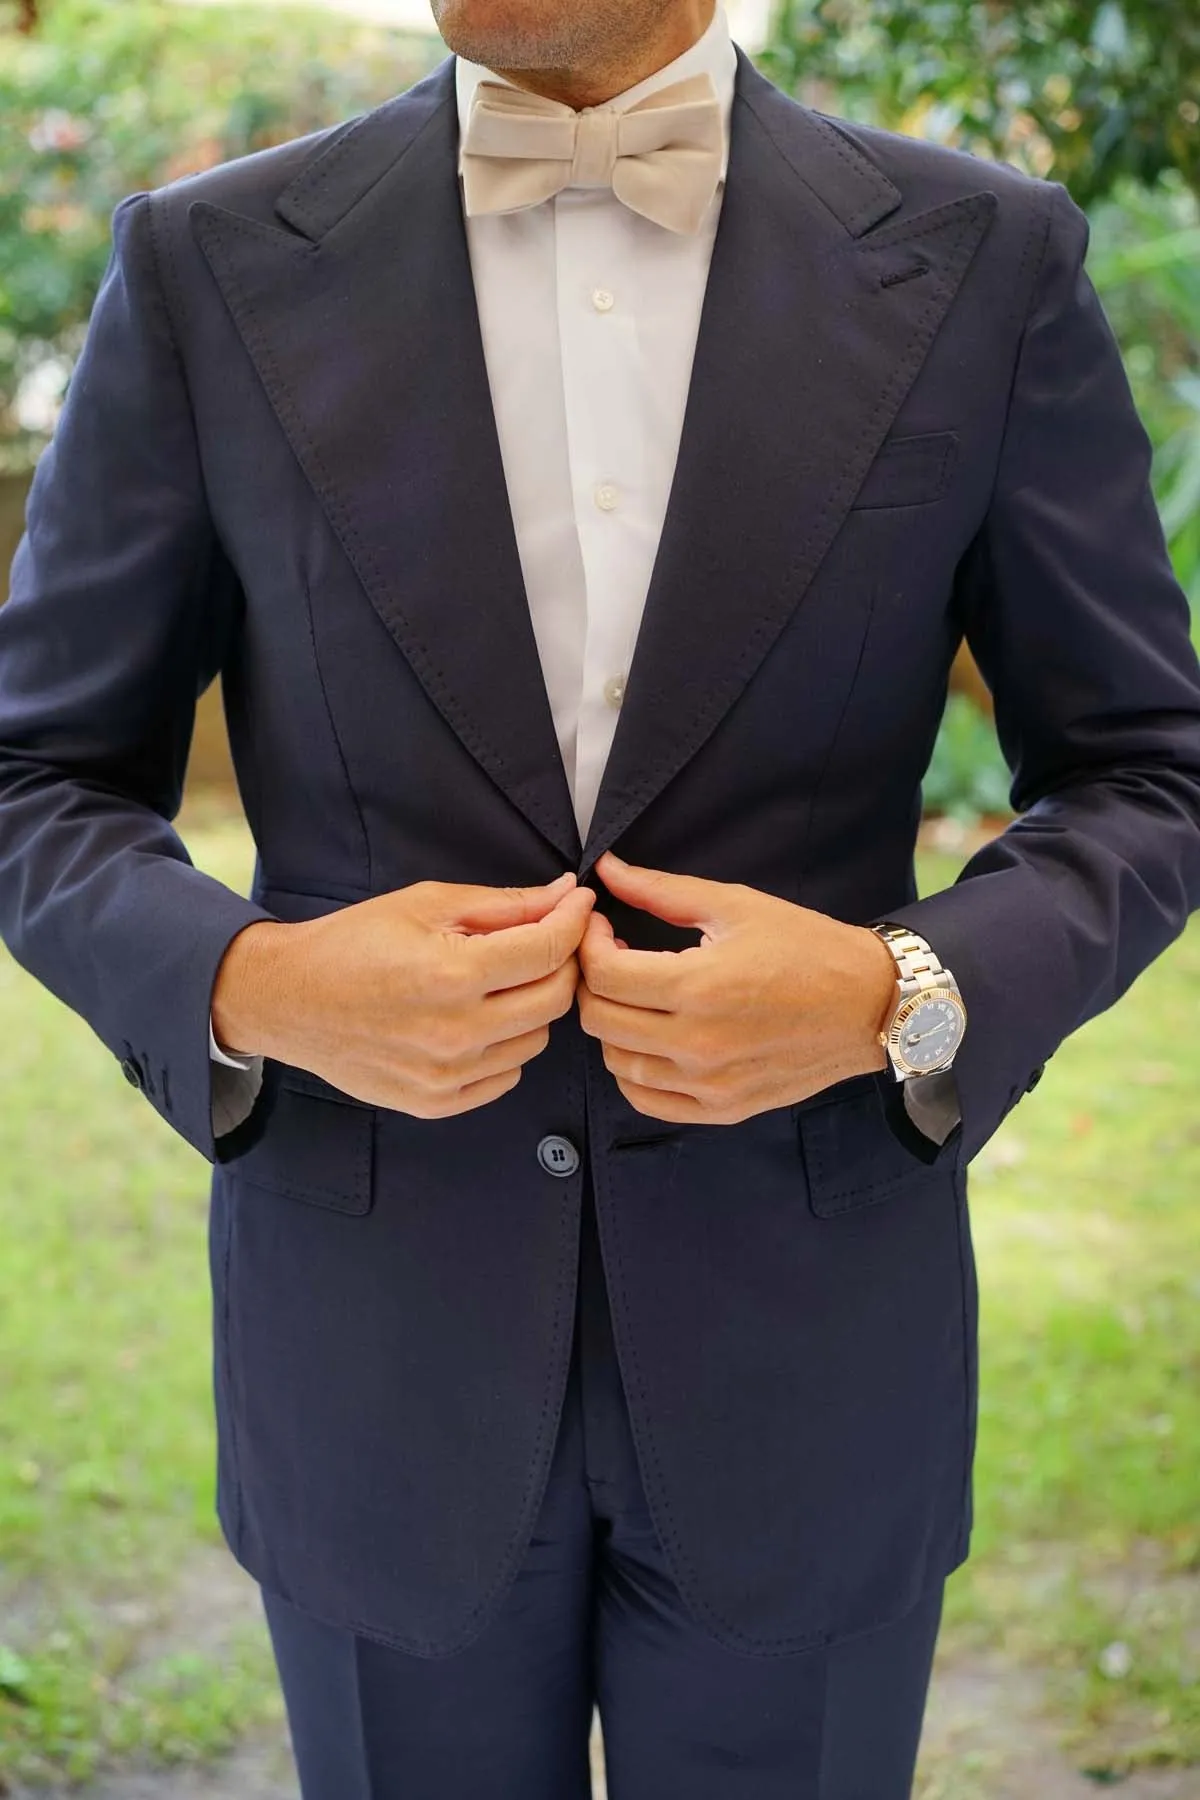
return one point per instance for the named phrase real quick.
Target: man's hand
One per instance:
(773, 1005)
(428, 1000)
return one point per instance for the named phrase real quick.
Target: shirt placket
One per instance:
(604, 390)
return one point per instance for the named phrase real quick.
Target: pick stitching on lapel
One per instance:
(365, 335)
(808, 346)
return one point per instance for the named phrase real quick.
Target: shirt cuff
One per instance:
(931, 1102)
(236, 1084)
(221, 1056)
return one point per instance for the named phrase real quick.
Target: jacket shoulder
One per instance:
(940, 173)
(865, 175)
(250, 185)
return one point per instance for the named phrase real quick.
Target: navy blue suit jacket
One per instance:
(277, 462)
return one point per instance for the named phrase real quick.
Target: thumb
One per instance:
(599, 925)
(679, 899)
(496, 909)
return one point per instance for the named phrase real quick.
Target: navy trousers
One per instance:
(595, 1620)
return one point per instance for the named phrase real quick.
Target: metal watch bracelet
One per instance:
(917, 965)
(921, 980)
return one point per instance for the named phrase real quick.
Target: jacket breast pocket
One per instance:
(318, 1146)
(910, 471)
(852, 1157)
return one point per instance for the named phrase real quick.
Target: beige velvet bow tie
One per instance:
(663, 158)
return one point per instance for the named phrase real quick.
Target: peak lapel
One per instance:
(816, 320)
(365, 334)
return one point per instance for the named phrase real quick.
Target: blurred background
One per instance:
(132, 1662)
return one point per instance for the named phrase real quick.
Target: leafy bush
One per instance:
(1145, 261)
(968, 778)
(1102, 95)
(109, 96)
(1089, 92)
(105, 99)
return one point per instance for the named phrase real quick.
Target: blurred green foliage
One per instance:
(1145, 260)
(968, 778)
(1088, 92)
(1088, 1238)
(110, 96)
(1100, 95)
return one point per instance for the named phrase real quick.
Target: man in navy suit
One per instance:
(594, 448)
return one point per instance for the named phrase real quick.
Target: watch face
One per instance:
(928, 1030)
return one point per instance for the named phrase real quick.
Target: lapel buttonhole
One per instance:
(908, 269)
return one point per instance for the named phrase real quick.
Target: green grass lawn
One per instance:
(106, 1451)
(1086, 1212)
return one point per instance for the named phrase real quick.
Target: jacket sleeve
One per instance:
(1082, 633)
(121, 610)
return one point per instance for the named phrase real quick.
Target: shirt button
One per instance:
(602, 300)
(558, 1155)
(606, 497)
(614, 690)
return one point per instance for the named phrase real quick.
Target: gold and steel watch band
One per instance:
(917, 964)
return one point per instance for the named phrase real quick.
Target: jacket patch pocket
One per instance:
(315, 1148)
(910, 471)
(852, 1157)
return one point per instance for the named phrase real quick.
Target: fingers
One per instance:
(442, 1092)
(522, 953)
(649, 978)
(680, 899)
(675, 1109)
(493, 908)
(444, 1076)
(510, 1011)
(464, 1099)
(637, 1027)
(641, 1069)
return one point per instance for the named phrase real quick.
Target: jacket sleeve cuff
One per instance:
(182, 923)
(1000, 933)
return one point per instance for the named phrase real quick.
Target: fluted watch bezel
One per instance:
(921, 981)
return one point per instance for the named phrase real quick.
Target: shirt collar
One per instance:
(713, 54)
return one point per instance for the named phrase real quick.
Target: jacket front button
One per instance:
(558, 1155)
(131, 1072)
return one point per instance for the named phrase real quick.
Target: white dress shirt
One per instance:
(589, 315)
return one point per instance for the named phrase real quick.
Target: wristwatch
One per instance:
(927, 1027)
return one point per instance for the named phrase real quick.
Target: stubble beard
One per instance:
(580, 35)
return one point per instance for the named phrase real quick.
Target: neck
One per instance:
(601, 80)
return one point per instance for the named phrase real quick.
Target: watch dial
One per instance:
(931, 1033)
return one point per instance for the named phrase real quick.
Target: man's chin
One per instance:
(503, 34)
